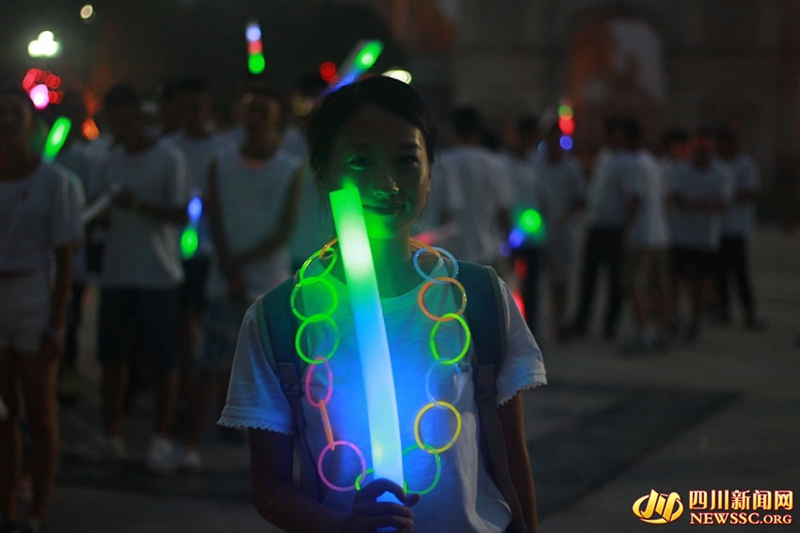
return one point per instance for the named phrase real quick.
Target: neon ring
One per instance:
(325, 450)
(311, 281)
(435, 351)
(360, 478)
(309, 371)
(419, 419)
(428, 382)
(319, 254)
(442, 252)
(312, 320)
(428, 285)
(436, 477)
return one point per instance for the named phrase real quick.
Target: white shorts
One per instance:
(24, 310)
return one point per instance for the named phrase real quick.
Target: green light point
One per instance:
(531, 221)
(256, 63)
(56, 138)
(189, 243)
(369, 55)
(565, 111)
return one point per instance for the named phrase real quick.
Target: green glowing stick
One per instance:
(56, 139)
(373, 345)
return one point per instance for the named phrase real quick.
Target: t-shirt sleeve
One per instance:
(255, 398)
(523, 367)
(66, 224)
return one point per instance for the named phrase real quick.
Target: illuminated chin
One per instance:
(382, 227)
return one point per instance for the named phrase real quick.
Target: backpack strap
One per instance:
(281, 324)
(488, 326)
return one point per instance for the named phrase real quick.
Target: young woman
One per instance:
(379, 135)
(39, 215)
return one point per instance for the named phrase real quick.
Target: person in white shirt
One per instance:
(562, 197)
(699, 192)
(40, 226)
(141, 272)
(526, 246)
(482, 211)
(738, 223)
(646, 242)
(607, 206)
(199, 146)
(253, 197)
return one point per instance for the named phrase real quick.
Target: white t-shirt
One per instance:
(199, 153)
(649, 227)
(700, 230)
(560, 184)
(609, 190)
(484, 190)
(465, 498)
(314, 224)
(740, 218)
(252, 196)
(141, 251)
(76, 159)
(294, 143)
(37, 214)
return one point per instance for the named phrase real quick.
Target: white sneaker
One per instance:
(101, 447)
(160, 456)
(187, 458)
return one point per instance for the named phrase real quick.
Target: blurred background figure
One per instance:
(169, 108)
(738, 222)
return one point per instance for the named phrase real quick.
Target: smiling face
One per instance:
(384, 155)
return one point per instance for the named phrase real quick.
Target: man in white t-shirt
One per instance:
(526, 239)
(562, 196)
(253, 197)
(607, 206)
(199, 146)
(646, 241)
(483, 200)
(738, 223)
(699, 192)
(141, 271)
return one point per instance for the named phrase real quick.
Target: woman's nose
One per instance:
(384, 187)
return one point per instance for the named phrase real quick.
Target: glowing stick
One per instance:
(189, 239)
(373, 345)
(360, 60)
(56, 138)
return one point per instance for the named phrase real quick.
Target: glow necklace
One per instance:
(319, 318)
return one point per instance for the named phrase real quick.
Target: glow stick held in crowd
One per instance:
(189, 238)
(373, 344)
(360, 60)
(56, 138)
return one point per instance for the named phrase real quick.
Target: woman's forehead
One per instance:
(372, 125)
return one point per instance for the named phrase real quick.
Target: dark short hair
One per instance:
(725, 133)
(613, 124)
(466, 121)
(704, 132)
(527, 125)
(189, 86)
(387, 93)
(310, 84)
(674, 136)
(168, 91)
(122, 96)
(632, 128)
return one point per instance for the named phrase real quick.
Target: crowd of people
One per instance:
(659, 225)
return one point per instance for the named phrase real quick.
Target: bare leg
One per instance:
(40, 388)
(166, 396)
(115, 378)
(10, 438)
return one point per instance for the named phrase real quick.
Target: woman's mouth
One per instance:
(384, 210)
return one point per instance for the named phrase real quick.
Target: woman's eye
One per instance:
(358, 162)
(409, 160)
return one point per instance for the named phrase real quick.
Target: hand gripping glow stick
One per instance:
(56, 138)
(373, 345)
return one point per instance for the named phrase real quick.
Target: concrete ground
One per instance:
(721, 414)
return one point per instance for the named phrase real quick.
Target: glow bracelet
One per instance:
(373, 345)
(56, 138)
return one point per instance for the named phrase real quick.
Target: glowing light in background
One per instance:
(89, 130)
(190, 239)
(530, 224)
(360, 60)
(56, 138)
(40, 96)
(327, 71)
(255, 50)
(373, 345)
(566, 123)
(566, 142)
(399, 74)
(87, 12)
(44, 46)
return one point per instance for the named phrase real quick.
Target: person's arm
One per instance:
(211, 202)
(283, 231)
(54, 334)
(511, 417)
(275, 496)
(174, 207)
